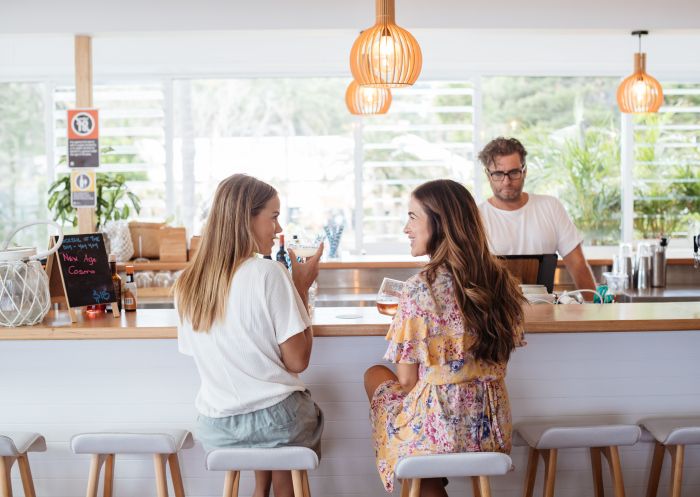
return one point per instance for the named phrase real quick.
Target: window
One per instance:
(23, 168)
(667, 165)
(427, 134)
(176, 139)
(293, 133)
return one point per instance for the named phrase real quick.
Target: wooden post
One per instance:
(83, 99)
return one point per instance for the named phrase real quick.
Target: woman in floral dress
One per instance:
(457, 323)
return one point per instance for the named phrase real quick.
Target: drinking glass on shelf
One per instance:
(162, 279)
(388, 296)
(144, 279)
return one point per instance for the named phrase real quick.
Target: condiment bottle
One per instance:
(130, 290)
(116, 280)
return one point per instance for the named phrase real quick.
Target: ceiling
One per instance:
(108, 16)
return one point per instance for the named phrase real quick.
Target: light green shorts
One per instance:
(294, 421)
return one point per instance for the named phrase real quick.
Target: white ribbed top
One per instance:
(239, 359)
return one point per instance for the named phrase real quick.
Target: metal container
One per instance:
(644, 272)
(658, 269)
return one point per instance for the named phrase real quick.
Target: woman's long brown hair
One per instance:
(487, 294)
(202, 290)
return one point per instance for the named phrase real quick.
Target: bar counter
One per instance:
(613, 363)
(366, 321)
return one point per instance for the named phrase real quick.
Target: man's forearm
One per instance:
(580, 271)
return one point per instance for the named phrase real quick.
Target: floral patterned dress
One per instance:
(459, 404)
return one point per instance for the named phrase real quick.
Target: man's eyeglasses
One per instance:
(512, 175)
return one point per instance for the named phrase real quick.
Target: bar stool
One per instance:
(545, 439)
(477, 465)
(298, 460)
(164, 445)
(14, 447)
(672, 434)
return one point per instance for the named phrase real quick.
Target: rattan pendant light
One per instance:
(385, 55)
(639, 93)
(367, 101)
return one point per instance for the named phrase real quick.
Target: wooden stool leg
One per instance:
(176, 475)
(297, 482)
(231, 483)
(159, 461)
(109, 476)
(550, 471)
(597, 468)
(405, 487)
(476, 491)
(26, 474)
(613, 456)
(94, 478)
(531, 474)
(6, 463)
(657, 462)
(415, 488)
(485, 486)
(307, 490)
(677, 456)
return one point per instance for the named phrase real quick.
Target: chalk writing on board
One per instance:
(85, 270)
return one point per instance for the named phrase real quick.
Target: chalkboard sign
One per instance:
(84, 269)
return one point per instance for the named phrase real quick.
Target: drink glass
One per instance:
(388, 296)
(305, 246)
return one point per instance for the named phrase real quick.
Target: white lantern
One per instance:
(24, 285)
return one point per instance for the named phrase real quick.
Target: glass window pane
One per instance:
(667, 165)
(295, 134)
(23, 177)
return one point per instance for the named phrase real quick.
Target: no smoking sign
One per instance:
(83, 138)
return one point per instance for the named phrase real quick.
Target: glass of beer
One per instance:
(388, 296)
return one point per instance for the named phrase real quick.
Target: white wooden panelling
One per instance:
(63, 387)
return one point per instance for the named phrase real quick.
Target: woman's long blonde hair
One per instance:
(202, 290)
(487, 294)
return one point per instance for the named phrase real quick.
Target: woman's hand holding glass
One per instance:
(389, 296)
(304, 273)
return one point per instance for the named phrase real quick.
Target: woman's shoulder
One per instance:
(257, 269)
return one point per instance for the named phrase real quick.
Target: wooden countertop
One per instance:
(366, 321)
(365, 262)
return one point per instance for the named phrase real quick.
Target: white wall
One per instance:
(451, 53)
(63, 387)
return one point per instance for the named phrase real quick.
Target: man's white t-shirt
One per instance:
(239, 358)
(541, 226)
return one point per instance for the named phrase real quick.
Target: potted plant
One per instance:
(115, 203)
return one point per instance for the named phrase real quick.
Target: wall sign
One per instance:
(83, 138)
(82, 188)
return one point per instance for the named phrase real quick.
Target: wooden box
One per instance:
(150, 238)
(195, 241)
(173, 244)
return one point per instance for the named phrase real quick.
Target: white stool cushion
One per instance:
(16, 443)
(558, 436)
(674, 431)
(267, 459)
(119, 442)
(454, 465)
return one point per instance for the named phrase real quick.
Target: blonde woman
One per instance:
(457, 323)
(244, 321)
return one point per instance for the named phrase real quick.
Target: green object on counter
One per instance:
(608, 298)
